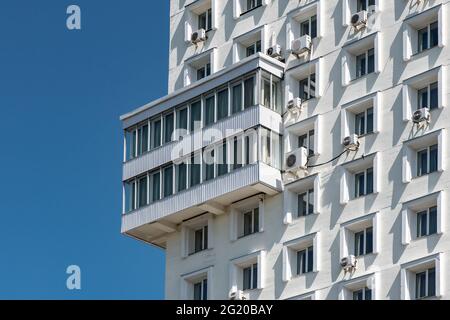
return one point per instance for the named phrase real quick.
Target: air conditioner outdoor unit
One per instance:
(275, 51)
(359, 19)
(372, 9)
(294, 105)
(198, 36)
(349, 262)
(296, 159)
(237, 295)
(301, 45)
(421, 115)
(351, 142)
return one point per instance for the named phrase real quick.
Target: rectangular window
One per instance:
(182, 122)
(427, 161)
(306, 203)
(196, 116)
(309, 27)
(365, 63)
(428, 37)
(307, 88)
(362, 294)
(205, 20)
(253, 48)
(195, 170)
(364, 242)
(168, 127)
(156, 186)
(428, 97)
(307, 141)
(143, 139)
(427, 222)
(305, 260)
(237, 153)
(181, 177)
(252, 4)
(168, 181)
(222, 104)
(210, 111)
(130, 196)
(249, 92)
(237, 98)
(204, 71)
(208, 160)
(251, 222)
(250, 277)
(201, 290)
(426, 284)
(364, 4)
(364, 122)
(364, 183)
(156, 133)
(222, 165)
(142, 194)
(201, 239)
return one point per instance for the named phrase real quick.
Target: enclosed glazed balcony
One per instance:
(203, 148)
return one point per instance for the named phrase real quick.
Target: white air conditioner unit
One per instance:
(351, 142)
(359, 19)
(372, 9)
(301, 45)
(348, 263)
(421, 115)
(274, 51)
(198, 36)
(294, 105)
(237, 295)
(296, 160)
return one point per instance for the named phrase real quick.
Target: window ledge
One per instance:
(249, 236)
(248, 11)
(424, 52)
(355, 80)
(199, 253)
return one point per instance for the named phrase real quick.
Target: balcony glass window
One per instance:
(364, 183)
(237, 153)
(306, 203)
(182, 122)
(251, 222)
(428, 97)
(427, 222)
(195, 170)
(142, 194)
(205, 20)
(181, 177)
(196, 116)
(222, 165)
(364, 122)
(307, 87)
(426, 284)
(168, 127)
(362, 294)
(210, 111)
(142, 139)
(201, 239)
(204, 71)
(252, 4)
(427, 160)
(201, 290)
(250, 277)
(130, 196)
(307, 141)
(249, 92)
(253, 48)
(222, 104)
(237, 98)
(156, 133)
(168, 181)
(364, 242)
(208, 161)
(156, 186)
(365, 63)
(364, 4)
(309, 27)
(428, 37)
(305, 260)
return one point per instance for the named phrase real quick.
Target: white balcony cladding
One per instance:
(254, 178)
(249, 118)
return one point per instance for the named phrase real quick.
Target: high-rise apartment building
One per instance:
(301, 152)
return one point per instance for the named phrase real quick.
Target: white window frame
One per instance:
(350, 228)
(366, 66)
(243, 41)
(198, 61)
(240, 7)
(349, 7)
(237, 210)
(300, 72)
(238, 264)
(189, 279)
(193, 11)
(370, 281)
(188, 228)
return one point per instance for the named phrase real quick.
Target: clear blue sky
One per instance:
(61, 95)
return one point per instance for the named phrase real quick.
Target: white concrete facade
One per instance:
(390, 151)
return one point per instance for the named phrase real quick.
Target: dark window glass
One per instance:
(369, 182)
(422, 163)
(434, 34)
(156, 186)
(156, 134)
(209, 110)
(237, 99)
(209, 165)
(195, 171)
(422, 224)
(222, 104)
(433, 221)
(371, 61)
(182, 177)
(143, 192)
(249, 92)
(433, 158)
(196, 115)
(222, 167)
(168, 181)
(434, 99)
(168, 127)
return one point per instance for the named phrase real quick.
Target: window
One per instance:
(142, 139)
(364, 4)
(201, 239)
(307, 141)
(196, 116)
(142, 194)
(222, 164)
(364, 122)
(237, 98)
(427, 160)
(362, 294)
(182, 121)
(168, 127)
(156, 133)
(156, 186)
(426, 284)
(208, 160)
(427, 222)
(181, 177)
(428, 37)
(364, 242)
(205, 20)
(306, 203)
(364, 183)
(130, 196)
(210, 111)
(222, 104)
(168, 181)
(195, 170)
(201, 290)
(250, 277)
(253, 48)
(308, 87)
(428, 97)
(252, 4)
(305, 260)
(309, 27)
(251, 222)
(249, 92)
(271, 92)
(204, 71)
(237, 153)
(365, 63)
